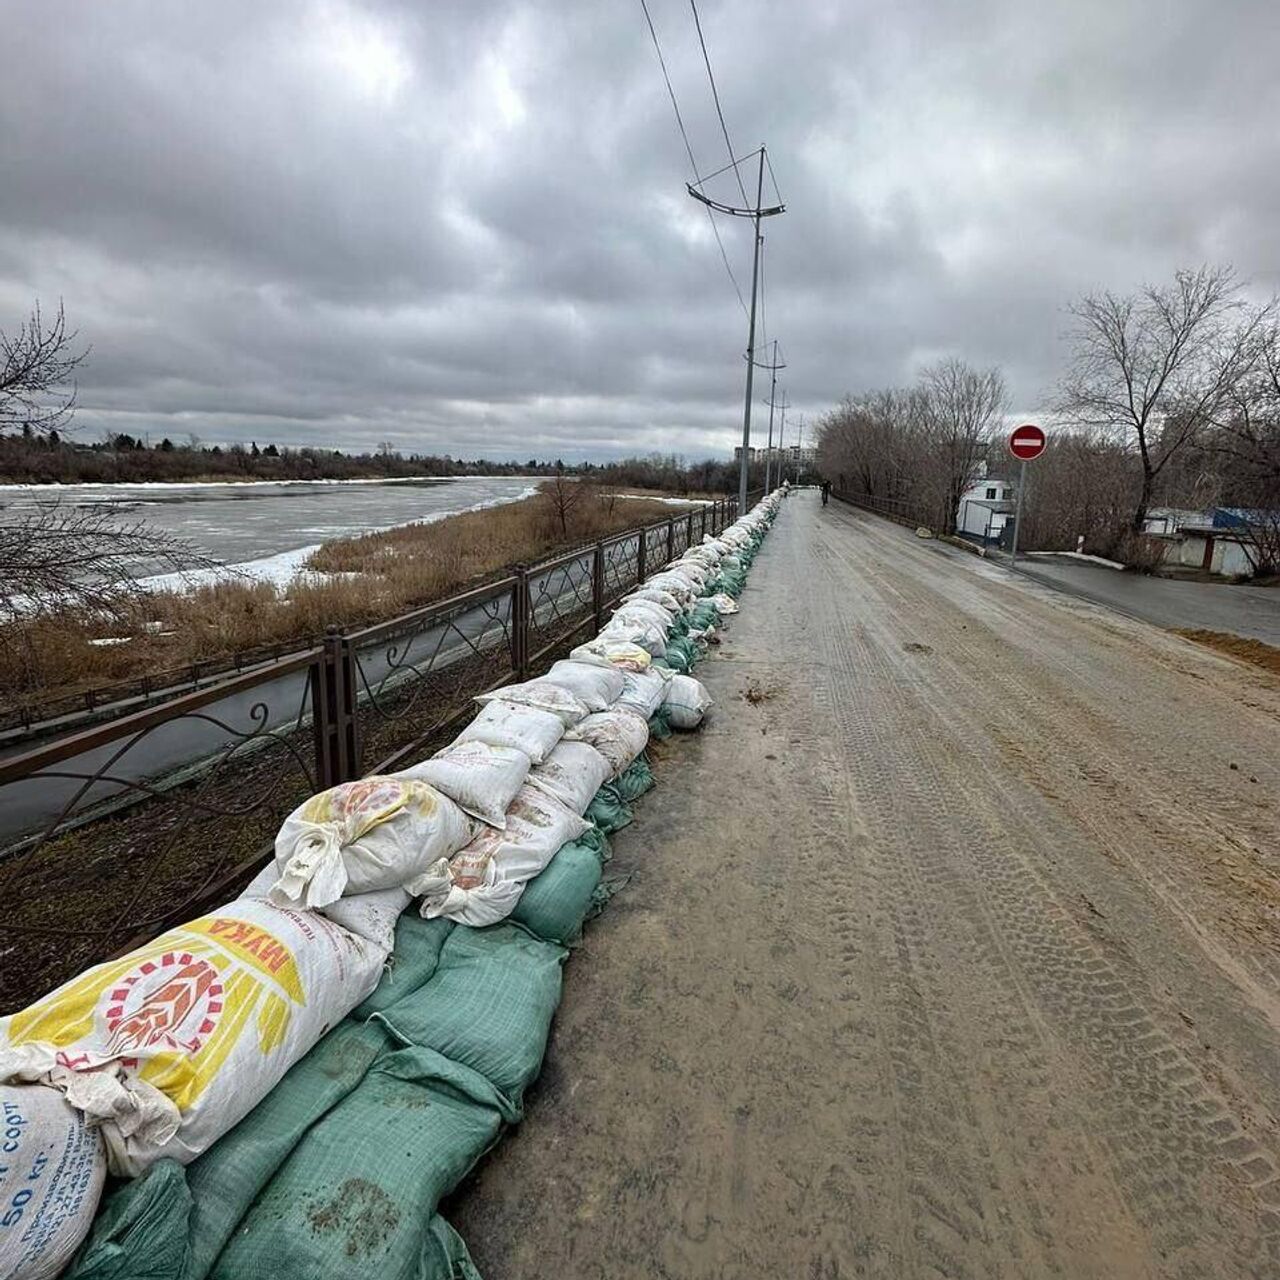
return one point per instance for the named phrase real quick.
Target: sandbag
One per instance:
(169, 1046)
(644, 691)
(481, 884)
(604, 651)
(596, 685)
(557, 900)
(489, 1006)
(724, 603)
(674, 584)
(635, 779)
(608, 812)
(371, 916)
(411, 964)
(646, 612)
(545, 695)
(686, 702)
(508, 724)
(357, 1198)
(634, 631)
(52, 1167)
(372, 834)
(619, 735)
(478, 777)
(657, 596)
(572, 773)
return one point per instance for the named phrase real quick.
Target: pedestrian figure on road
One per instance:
(826, 491)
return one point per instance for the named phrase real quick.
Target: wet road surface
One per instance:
(952, 950)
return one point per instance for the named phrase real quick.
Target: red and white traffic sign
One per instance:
(1026, 442)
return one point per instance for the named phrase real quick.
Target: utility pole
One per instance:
(782, 441)
(755, 215)
(773, 389)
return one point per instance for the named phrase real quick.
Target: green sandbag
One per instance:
(659, 726)
(555, 903)
(635, 780)
(172, 1222)
(681, 654)
(413, 961)
(679, 625)
(140, 1232)
(358, 1197)
(705, 616)
(489, 1006)
(596, 840)
(608, 810)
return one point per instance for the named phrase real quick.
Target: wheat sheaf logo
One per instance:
(171, 1002)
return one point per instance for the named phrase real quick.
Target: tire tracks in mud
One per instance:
(1069, 1020)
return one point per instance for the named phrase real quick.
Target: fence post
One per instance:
(520, 623)
(336, 725)
(642, 554)
(689, 542)
(671, 539)
(597, 584)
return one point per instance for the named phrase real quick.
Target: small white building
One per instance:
(984, 508)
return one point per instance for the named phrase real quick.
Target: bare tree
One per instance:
(961, 409)
(564, 493)
(80, 557)
(1157, 366)
(37, 373)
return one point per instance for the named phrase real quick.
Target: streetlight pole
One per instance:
(773, 388)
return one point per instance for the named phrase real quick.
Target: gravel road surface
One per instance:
(952, 949)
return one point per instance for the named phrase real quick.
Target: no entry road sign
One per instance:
(1026, 442)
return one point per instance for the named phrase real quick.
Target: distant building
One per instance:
(984, 509)
(752, 454)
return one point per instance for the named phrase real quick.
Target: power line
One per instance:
(724, 128)
(693, 164)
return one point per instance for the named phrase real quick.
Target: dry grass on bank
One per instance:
(355, 581)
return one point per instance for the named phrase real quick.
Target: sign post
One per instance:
(1025, 442)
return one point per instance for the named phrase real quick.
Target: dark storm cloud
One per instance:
(462, 226)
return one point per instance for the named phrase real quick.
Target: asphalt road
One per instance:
(954, 951)
(1241, 609)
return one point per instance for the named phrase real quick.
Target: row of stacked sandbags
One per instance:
(146, 1062)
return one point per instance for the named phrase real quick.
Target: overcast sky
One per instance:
(461, 225)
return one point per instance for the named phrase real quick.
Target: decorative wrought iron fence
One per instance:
(112, 834)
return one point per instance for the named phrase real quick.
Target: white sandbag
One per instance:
(619, 735)
(644, 691)
(595, 684)
(544, 694)
(169, 1047)
(674, 584)
(656, 595)
(371, 916)
(479, 778)
(508, 724)
(572, 774)
(725, 604)
(645, 612)
(375, 833)
(481, 884)
(52, 1167)
(608, 651)
(635, 631)
(686, 702)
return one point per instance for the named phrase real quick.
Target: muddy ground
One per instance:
(954, 951)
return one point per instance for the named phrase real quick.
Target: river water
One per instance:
(267, 530)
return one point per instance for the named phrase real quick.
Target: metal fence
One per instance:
(112, 834)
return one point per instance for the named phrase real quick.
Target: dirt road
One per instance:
(956, 955)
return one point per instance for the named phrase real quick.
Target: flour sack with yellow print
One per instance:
(170, 1046)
